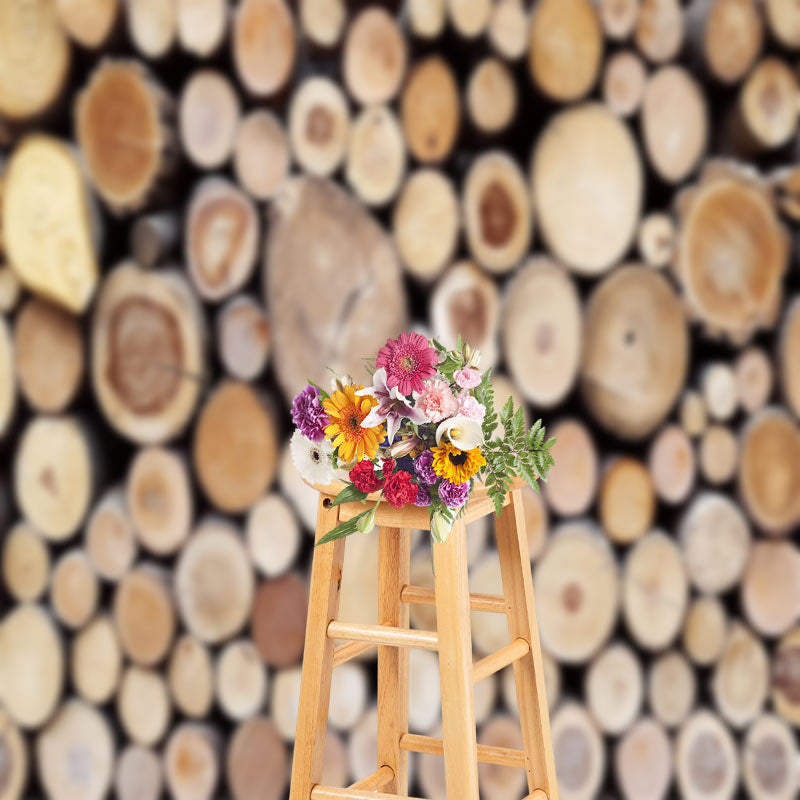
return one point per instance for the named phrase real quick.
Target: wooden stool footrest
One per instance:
(498, 660)
(477, 602)
(383, 634)
(375, 782)
(504, 756)
(537, 794)
(347, 652)
(330, 793)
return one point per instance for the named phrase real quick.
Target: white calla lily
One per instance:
(462, 432)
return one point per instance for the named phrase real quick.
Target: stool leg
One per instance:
(455, 665)
(315, 684)
(528, 671)
(393, 573)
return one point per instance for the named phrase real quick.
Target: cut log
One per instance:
(110, 540)
(202, 25)
(671, 688)
(54, 475)
(122, 125)
(577, 592)
(74, 589)
(430, 110)
(579, 753)
(222, 237)
(425, 223)
(497, 212)
(627, 502)
(8, 378)
(624, 81)
(586, 184)
(755, 379)
(572, 488)
(469, 18)
(147, 353)
(243, 337)
(659, 29)
(34, 60)
(706, 763)
(376, 156)
(257, 764)
(374, 57)
(191, 762)
(656, 239)
(47, 224)
(284, 702)
(278, 620)
(715, 539)
(719, 451)
(96, 661)
(635, 351)
(705, 630)
(783, 22)
(789, 356)
(31, 665)
(208, 115)
(273, 535)
(323, 22)
(565, 48)
(13, 759)
(741, 677)
(618, 17)
(674, 120)
(335, 770)
(693, 413)
(241, 680)
(427, 18)
(214, 582)
(768, 756)
(491, 96)
(771, 587)
(79, 735)
(138, 774)
(537, 524)
(363, 746)
(261, 154)
(508, 29)
(489, 631)
(614, 688)
(159, 499)
(319, 236)
(152, 26)
(10, 289)
(348, 696)
(655, 591)
(304, 498)
(643, 761)
(190, 676)
(88, 24)
(264, 45)
(153, 237)
(786, 677)
(672, 464)
(26, 563)
(143, 706)
(424, 691)
(235, 448)
(769, 470)
(496, 781)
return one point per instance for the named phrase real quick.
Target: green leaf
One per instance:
(348, 495)
(344, 529)
(549, 443)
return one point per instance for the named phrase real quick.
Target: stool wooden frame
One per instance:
(452, 639)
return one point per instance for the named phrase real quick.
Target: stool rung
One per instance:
(536, 794)
(503, 756)
(346, 652)
(330, 793)
(376, 781)
(501, 658)
(477, 602)
(383, 634)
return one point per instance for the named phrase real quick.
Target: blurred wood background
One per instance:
(204, 203)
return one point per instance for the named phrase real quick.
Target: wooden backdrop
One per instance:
(205, 204)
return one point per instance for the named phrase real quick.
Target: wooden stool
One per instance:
(452, 640)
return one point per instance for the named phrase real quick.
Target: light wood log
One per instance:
(222, 236)
(768, 756)
(579, 753)
(706, 764)
(31, 665)
(214, 582)
(627, 501)
(624, 82)
(789, 356)
(489, 631)
(147, 352)
(719, 451)
(109, 537)
(470, 18)
(785, 685)
(614, 688)
(425, 698)
(659, 29)
(10, 289)
(26, 563)
(586, 146)
(363, 747)
(496, 781)
(755, 379)
(671, 462)
(783, 22)
(693, 413)
(573, 487)
(508, 28)
(618, 17)
(8, 384)
(430, 110)
(317, 232)
(201, 25)
(323, 20)
(143, 705)
(705, 630)
(771, 587)
(191, 762)
(376, 156)
(643, 761)
(278, 620)
(349, 696)
(491, 96)
(190, 677)
(47, 224)
(74, 589)
(88, 24)
(537, 523)
(656, 239)
(152, 26)
(144, 615)
(335, 770)
(576, 585)
(715, 538)
(273, 535)
(153, 237)
(96, 661)
(374, 57)
(208, 115)
(264, 45)
(671, 688)
(14, 759)
(256, 764)
(241, 680)
(283, 704)
(79, 734)
(261, 154)
(138, 774)
(635, 351)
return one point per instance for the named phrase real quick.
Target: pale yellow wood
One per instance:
(329, 793)
(529, 670)
(538, 794)
(315, 684)
(378, 780)
(504, 756)
(383, 634)
(477, 602)
(512, 652)
(347, 652)
(455, 665)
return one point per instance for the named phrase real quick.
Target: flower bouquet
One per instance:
(420, 434)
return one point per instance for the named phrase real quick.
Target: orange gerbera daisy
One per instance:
(347, 411)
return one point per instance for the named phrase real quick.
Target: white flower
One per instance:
(312, 459)
(460, 431)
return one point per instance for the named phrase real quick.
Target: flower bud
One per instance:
(440, 528)
(367, 521)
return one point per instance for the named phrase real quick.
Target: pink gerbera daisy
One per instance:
(408, 360)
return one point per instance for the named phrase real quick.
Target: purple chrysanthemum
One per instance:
(454, 495)
(423, 498)
(309, 415)
(423, 466)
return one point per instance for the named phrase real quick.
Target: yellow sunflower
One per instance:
(346, 412)
(457, 466)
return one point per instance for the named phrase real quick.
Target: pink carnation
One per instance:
(408, 360)
(469, 407)
(467, 378)
(437, 400)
